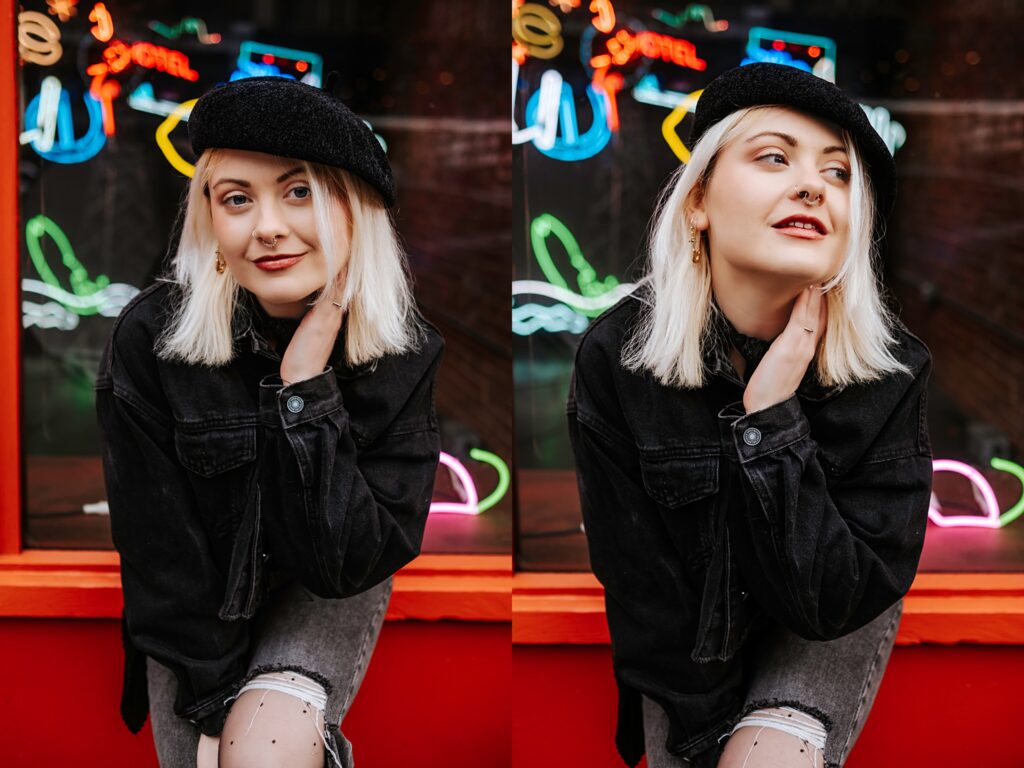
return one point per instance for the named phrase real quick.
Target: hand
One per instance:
(783, 367)
(311, 345)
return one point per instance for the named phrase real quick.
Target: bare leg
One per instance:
(207, 755)
(271, 728)
(763, 747)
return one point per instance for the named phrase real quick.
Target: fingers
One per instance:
(813, 308)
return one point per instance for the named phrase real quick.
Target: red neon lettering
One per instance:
(623, 48)
(118, 56)
(142, 54)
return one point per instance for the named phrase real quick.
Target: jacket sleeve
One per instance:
(826, 550)
(172, 590)
(342, 515)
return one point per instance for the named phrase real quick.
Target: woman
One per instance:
(749, 430)
(269, 434)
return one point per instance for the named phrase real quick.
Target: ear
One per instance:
(695, 208)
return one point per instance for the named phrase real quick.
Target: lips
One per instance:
(277, 256)
(793, 223)
(278, 261)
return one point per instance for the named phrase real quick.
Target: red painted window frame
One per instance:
(44, 583)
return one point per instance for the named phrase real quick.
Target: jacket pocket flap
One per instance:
(673, 481)
(212, 451)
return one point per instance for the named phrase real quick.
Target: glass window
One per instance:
(105, 93)
(603, 95)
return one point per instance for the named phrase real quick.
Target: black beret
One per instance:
(289, 118)
(765, 84)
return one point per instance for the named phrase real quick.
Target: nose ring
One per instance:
(805, 196)
(261, 241)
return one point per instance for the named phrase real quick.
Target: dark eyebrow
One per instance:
(792, 141)
(243, 183)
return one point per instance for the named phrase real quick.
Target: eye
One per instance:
(306, 192)
(235, 201)
(779, 155)
(841, 173)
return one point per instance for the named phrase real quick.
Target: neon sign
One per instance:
(62, 9)
(604, 21)
(546, 225)
(46, 119)
(104, 28)
(558, 318)
(538, 31)
(892, 132)
(118, 55)
(87, 296)
(571, 145)
(573, 309)
(983, 493)
(810, 53)
(542, 132)
(668, 127)
(142, 99)
(471, 503)
(699, 13)
(259, 59)
(163, 133)
(624, 46)
(38, 39)
(104, 92)
(54, 116)
(188, 25)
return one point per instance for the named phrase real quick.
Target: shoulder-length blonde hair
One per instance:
(382, 317)
(670, 336)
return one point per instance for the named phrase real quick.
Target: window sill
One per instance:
(943, 608)
(87, 584)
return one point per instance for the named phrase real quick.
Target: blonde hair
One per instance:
(377, 297)
(671, 335)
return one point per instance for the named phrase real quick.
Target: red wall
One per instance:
(939, 706)
(435, 694)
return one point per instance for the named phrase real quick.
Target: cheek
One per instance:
(228, 229)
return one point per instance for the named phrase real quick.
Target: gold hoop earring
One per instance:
(694, 244)
(221, 264)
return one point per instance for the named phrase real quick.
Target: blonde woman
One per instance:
(751, 443)
(270, 440)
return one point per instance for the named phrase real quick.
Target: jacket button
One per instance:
(295, 404)
(751, 436)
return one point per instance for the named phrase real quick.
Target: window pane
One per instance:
(603, 112)
(100, 188)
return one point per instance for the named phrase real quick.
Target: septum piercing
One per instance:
(261, 241)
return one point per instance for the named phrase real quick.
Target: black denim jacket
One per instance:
(703, 520)
(221, 481)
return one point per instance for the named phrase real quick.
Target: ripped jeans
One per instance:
(834, 681)
(328, 641)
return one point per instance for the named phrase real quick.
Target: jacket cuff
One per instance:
(302, 401)
(766, 431)
(213, 723)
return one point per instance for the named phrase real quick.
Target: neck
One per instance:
(756, 307)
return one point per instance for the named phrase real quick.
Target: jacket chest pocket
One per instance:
(222, 461)
(686, 486)
(210, 452)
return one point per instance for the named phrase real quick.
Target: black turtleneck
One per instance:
(751, 349)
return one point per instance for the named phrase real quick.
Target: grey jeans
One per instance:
(836, 681)
(329, 641)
